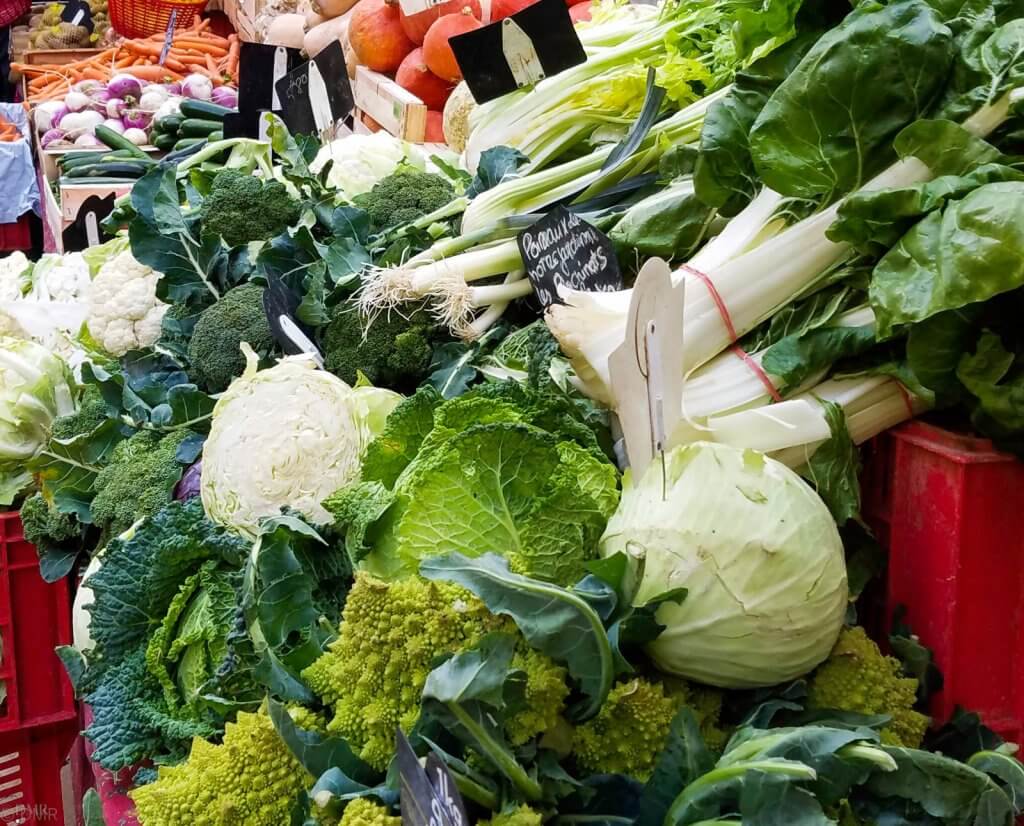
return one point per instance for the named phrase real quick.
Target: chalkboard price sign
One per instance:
(317, 94)
(428, 795)
(562, 249)
(78, 13)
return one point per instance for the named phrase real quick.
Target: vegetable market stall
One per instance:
(535, 458)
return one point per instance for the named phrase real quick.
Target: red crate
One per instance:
(35, 617)
(950, 509)
(30, 773)
(16, 236)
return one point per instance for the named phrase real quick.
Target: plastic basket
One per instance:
(950, 508)
(35, 617)
(30, 774)
(142, 18)
(16, 236)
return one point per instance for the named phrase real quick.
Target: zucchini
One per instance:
(165, 141)
(197, 128)
(185, 143)
(116, 141)
(169, 125)
(110, 169)
(204, 110)
(68, 162)
(121, 155)
(216, 136)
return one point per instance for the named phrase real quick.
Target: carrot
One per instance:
(214, 49)
(154, 74)
(91, 73)
(211, 65)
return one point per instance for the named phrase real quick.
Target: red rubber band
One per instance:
(758, 371)
(722, 311)
(727, 321)
(908, 400)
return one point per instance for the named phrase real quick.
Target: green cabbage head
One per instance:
(35, 389)
(758, 553)
(288, 436)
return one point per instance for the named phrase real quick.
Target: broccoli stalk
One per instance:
(241, 208)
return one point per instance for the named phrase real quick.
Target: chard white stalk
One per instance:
(753, 280)
(792, 430)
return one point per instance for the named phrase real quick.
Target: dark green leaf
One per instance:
(684, 759)
(55, 562)
(800, 357)
(771, 800)
(495, 165)
(319, 753)
(553, 620)
(92, 809)
(670, 224)
(74, 664)
(834, 467)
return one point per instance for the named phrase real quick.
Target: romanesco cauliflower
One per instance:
(124, 312)
(858, 677)
(364, 812)
(252, 779)
(372, 676)
(632, 727)
(520, 816)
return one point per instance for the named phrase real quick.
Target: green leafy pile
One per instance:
(501, 469)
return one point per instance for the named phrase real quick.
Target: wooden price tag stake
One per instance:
(647, 368)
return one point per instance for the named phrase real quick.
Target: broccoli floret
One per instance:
(241, 208)
(520, 816)
(252, 778)
(404, 196)
(632, 728)
(858, 677)
(91, 413)
(391, 637)
(43, 524)
(214, 349)
(392, 351)
(139, 480)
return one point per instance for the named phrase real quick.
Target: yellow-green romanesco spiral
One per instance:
(364, 812)
(632, 728)
(391, 636)
(858, 677)
(251, 779)
(522, 816)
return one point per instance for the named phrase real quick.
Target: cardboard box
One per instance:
(243, 14)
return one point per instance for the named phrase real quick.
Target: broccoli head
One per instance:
(214, 349)
(391, 637)
(404, 196)
(139, 480)
(632, 728)
(241, 208)
(42, 524)
(91, 413)
(858, 677)
(392, 351)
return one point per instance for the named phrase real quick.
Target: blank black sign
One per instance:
(482, 61)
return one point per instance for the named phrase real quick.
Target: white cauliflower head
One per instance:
(13, 272)
(124, 312)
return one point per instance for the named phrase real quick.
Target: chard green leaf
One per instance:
(965, 253)
(797, 358)
(554, 620)
(945, 147)
(829, 126)
(724, 176)
(670, 223)
(990, 59)
(684, 759)
(988, 375)
(834, 468)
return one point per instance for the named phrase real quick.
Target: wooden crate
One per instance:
(243, 14)
(58, 57)
(396, 110)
